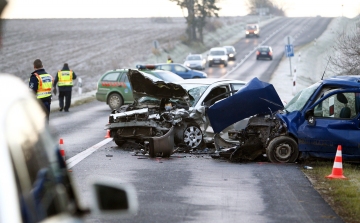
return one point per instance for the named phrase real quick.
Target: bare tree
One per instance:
(276, 7)
(197, 12)
(345, 59)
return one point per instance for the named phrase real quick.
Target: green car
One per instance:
(114, 88)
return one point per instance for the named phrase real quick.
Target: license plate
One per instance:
(216, 61)
(263, 53)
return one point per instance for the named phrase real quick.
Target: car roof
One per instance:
(217, 48)
(345, 80)
(209, 81)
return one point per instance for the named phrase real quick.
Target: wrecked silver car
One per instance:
(159, 118)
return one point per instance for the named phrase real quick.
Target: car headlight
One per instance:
(187, 64)
(256, 32)
(231, 55)
(210, 58)
(247, 32)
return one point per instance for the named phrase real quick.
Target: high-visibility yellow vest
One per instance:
(45, 82)
(65, 78)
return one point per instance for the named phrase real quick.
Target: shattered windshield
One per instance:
(195, 91)
(300, 99)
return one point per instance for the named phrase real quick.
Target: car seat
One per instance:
(345, 111)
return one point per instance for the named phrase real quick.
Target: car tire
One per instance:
(257, 58)
(192, 136)
(115, 101)
(282, 149)
(270, 58)
(210, 64)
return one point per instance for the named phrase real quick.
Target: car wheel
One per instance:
(257, 58)
(210, 64)
(270, 58)
(193, 136)
(282, 149)
(115, 101)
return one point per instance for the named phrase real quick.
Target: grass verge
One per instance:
(342, 195)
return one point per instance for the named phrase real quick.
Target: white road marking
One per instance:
(79, 157)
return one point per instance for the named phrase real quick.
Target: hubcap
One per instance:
(283, 151)
(192, 136)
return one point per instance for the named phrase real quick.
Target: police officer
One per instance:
(169, 60)
(64, 80)
(41, 83)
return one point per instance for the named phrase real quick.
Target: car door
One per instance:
(334, 120)
(107, 83)
(126, 89)
(182, 71)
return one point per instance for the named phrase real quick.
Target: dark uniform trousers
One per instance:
(67, 96)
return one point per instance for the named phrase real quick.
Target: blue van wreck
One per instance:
(312, 124)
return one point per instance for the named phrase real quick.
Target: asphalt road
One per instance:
(192, 187)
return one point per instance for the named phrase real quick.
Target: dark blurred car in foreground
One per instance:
(231, 52)
(312, 124)
(36, 185)
(195, 62)
(181, 70)
(264, 52)
(114, 88)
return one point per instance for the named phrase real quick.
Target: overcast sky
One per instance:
(163, 8)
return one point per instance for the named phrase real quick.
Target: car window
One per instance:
(340, 105)
(168, 76)
(237, 86)
(195, 91)
(193, 57)
(179, 68)
(165, 67)
(113, 76)
(230, 50)
(301, 98)
(216, 94)
(35, 161)
(217, 52)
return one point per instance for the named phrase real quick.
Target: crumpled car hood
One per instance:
(145, 86)
(256, 97)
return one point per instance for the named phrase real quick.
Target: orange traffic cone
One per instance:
(337, 171)
(107, 134)
(62, 151)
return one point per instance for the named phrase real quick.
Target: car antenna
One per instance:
(326, 67)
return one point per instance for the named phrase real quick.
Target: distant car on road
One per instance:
(114, 88)
(231, 52)
(181, 70)
(195, 61)
(217, 56)
(264, 52)
(252, 30)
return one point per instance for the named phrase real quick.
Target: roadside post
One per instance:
(80, 85)
(289, 49)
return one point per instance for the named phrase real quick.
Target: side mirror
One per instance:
(309, 116)
(111, 196)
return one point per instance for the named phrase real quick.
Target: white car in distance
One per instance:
(195, 62)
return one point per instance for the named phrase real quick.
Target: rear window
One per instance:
(230, 50)
(264, 49)
(168, 76)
